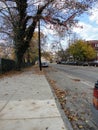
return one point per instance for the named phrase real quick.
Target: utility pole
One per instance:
(39, 44)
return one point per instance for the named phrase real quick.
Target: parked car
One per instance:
(71, 63)
(79, 63)
(44, 64)
(93, 63)
(63, 62)
(82, 63)
(85, 63)
(58, 62)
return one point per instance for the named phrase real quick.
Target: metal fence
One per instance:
(6, 65)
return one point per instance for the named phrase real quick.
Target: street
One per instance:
(87, 73)
(78, 82)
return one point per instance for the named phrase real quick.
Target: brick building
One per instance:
(94, 44)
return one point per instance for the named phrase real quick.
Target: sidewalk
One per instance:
(27, 103)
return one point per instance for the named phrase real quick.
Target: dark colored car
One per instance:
(63, 62)
(85, 64)
(93, 63)
(58, 62)
(71, 63)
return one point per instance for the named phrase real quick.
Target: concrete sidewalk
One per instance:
(27, 103)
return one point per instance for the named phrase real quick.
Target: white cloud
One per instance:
(88, 32)
(90, 25)
(94, 14)
(49, 31)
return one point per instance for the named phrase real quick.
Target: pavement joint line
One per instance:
(33, 118)
(8, 101)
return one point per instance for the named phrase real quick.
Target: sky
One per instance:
(87, 30)
(90, 25)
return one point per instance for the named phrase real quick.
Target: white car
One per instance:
(44, 64)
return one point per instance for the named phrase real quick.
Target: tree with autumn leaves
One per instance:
(82, 51)
(20, 17)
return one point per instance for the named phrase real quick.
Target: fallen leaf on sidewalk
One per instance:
(80, 126)
(77, 80)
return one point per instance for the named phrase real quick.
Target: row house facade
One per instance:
(94, 44)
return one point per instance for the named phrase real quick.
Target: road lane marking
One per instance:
(87, 83)
(81, 80)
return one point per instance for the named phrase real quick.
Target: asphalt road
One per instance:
(87, 75)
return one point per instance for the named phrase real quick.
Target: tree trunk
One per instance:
(20, 49)
(19, 59)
